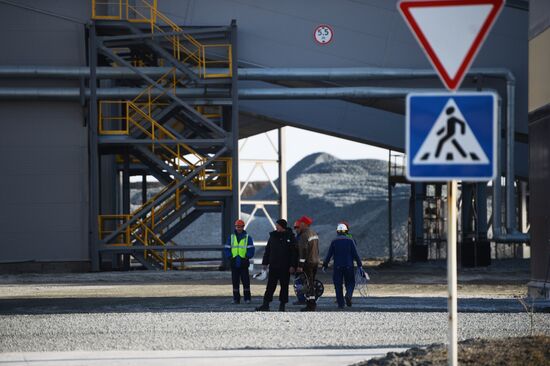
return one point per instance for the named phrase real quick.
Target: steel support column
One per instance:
(283, 196)
(235, 206)
(143, 189)
(93, 153)
(232, 205)
(419, 251)
(523, 250)
(124, 259)
(468, 243)
(390, 193)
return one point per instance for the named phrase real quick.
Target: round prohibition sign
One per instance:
(323, 34)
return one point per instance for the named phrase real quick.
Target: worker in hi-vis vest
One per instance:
(240, 249)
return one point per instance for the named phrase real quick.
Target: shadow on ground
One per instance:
(189, 304)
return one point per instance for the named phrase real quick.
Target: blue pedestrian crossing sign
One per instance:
(451, 136)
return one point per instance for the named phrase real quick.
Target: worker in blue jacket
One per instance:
(239, 247)
(344, 251)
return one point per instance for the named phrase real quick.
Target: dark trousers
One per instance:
(239, 275)
(282, 276)
(311, 271)
(340, 276)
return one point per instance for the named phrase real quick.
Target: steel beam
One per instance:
(122, 140)
(93, 153)
(390, 196)
(235, 205)
(170, 248)
(283, 195)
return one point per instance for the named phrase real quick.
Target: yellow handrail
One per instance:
(180, 147)
(147, 236)
(138, 114)
(119, 221)
(146, 11)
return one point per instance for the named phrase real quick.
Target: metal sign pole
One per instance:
(451, 272)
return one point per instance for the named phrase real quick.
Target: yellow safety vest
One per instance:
(238, 248)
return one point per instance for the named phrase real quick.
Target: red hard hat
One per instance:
(297, 223)
(306, 220)
(239, 222)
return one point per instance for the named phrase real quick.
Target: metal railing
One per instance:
(397, 163)
(107, 9)
(217, 176)
(139, 233)
(110, 223)
(185, 48)
(112, 123)
(136, 118)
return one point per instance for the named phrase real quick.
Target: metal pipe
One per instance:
(516, 237)
(497, 216)
(46, 93)
(262, 74)
(510, 158)
(354, 73)
(76, 72)
(328, 93)
(265, 74)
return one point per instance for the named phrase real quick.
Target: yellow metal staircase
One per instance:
(188, 174)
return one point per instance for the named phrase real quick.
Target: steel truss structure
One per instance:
(187, 144)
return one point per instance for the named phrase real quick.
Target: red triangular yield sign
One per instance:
(450, 32)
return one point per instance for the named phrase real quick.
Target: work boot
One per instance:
(282, 306)
(310, 306)
(348, 301)
(263, 307)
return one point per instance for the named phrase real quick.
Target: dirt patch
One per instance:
(522, 351)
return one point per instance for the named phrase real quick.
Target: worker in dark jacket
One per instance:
(239, 247)
(344, 251)
(280, 256)
(301, 296)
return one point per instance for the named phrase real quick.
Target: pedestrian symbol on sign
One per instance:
(451, 141)
(451, 136)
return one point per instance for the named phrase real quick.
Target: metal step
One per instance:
(160, 174)
(148, 264)
(185, 222)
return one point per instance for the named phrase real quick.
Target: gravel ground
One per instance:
(177, 331)
(191, 310)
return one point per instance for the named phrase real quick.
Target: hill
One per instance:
(328, 190)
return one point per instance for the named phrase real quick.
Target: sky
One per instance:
(299, 144)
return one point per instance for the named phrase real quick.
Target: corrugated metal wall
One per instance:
(43, 145)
